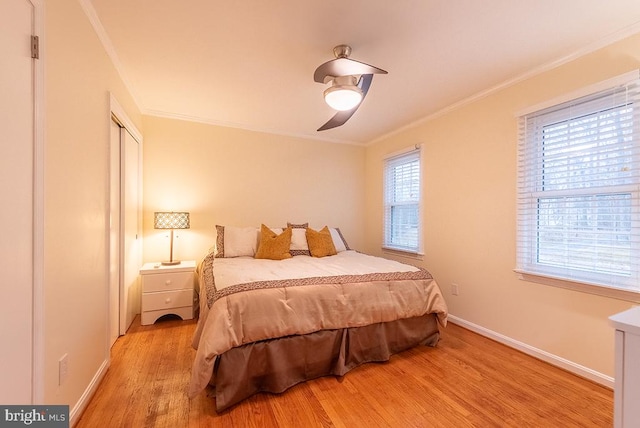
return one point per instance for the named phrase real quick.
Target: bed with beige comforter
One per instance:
(266, 325)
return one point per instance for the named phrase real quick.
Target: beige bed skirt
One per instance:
(277, 364)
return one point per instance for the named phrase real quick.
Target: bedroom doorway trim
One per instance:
(22, 175)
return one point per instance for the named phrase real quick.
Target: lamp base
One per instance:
(171, 263)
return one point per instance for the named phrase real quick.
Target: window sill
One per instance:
(400, 253)
(614, 293)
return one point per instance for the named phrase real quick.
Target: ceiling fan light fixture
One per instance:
(343, 94)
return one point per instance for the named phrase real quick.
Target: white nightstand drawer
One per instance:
(167, 299)
(167, 281)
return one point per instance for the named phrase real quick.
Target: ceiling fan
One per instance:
(350, 82)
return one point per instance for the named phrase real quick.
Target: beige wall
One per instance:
(235, 177)
(78, 78)
(470, 209)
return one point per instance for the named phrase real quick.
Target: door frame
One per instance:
(38, 338)
(117, 112)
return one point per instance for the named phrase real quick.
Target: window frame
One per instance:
(556, 276)
(410, 155)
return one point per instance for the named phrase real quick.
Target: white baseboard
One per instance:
(555, 360)
(82, 403)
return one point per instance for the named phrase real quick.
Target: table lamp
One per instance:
(172, 220)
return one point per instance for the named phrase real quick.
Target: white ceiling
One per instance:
(250, 64)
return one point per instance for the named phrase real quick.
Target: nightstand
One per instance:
(167, 290)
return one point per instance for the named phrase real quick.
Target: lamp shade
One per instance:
(172, 220)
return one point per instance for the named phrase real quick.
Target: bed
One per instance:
(267, 324)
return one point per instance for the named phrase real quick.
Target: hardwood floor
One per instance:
(466, 381)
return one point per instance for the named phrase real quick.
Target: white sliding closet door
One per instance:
(114, 235)
(125, 228)
(131, 226)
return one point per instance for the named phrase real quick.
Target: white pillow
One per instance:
(338, 240)
(236, 241)
(299, 245)
(299, 240)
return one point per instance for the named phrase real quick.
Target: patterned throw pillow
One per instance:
(273, 246)
(321, 242)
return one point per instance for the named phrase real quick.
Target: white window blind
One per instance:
(578, 190)
(402, 202)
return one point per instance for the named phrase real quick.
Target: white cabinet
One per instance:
(167, 290)
(626, 406)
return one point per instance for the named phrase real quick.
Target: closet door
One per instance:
(17, 195)
(114, 234)
(125, 231)
(130, 226)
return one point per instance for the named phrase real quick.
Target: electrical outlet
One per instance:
(63, 369)
(454, 289)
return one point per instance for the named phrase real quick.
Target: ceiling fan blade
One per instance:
(341, 117)
(338, 120)
(343, 67)
(365, 84)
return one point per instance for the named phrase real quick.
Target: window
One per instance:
(578, 189)
(402, 198)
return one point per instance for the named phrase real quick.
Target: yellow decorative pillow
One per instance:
(273, 246)
(320, 243)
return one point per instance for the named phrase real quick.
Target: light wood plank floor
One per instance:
(466, 381)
